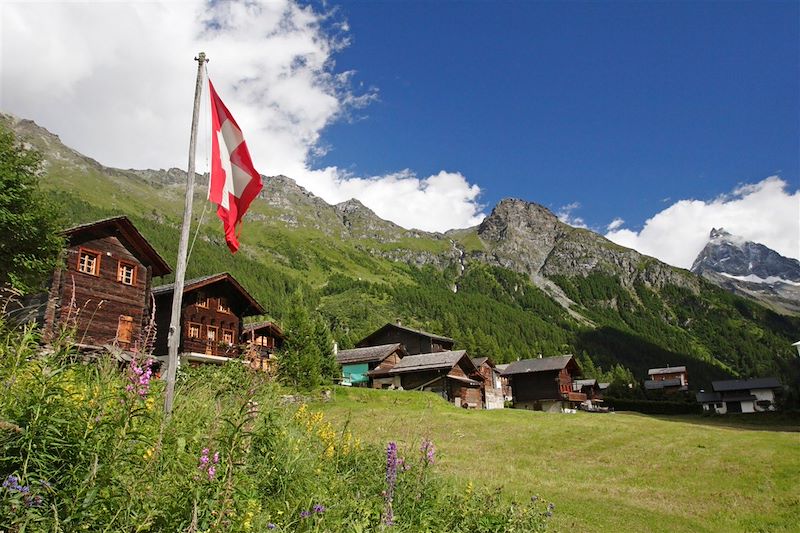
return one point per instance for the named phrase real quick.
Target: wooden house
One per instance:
(261, 340)
(414, 341)
(592, 389)
(740, 396)
(102, 291)
(211, 318)
(492, 390)
(450, 374)
(370, 366)
(545, 384)
(667, 379)
(505, 382)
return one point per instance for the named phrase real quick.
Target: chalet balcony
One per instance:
(576, 396)
(215, 348)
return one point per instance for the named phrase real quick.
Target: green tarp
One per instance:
(356, 373)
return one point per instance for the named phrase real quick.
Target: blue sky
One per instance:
(621, 107)
(649, 122)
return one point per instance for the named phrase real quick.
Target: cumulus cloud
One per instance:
(115, 81)
(565, 215)
(766, 212)
(615, 224)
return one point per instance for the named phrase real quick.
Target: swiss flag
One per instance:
(234, 182)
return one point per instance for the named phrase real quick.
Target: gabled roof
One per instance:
(745, 384)
(429, 361)
(708, 397)
(124, 228)
(666, 370)
(541, 364)
(663, 384)
(370, 354)
(204, 281)
(580, 383)
(478, 361)
(410, 330)
(271, 327)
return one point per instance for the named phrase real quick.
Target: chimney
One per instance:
(397, 321)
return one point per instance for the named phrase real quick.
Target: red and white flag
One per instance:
(234, 181)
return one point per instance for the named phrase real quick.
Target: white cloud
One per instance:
(615, 224)
(564, 214)
(115, 81)
(765, 212)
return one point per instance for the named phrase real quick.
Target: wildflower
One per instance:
(428, 452)
(391, 482)
(271, 526)
(211, 472)
(305, 514)
(319, 508)
(206, 464)
(139, 377)
(215, 459)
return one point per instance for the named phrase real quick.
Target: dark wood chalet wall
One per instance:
(413, 342)
(100, 300)
(535, 386)
(204, 318)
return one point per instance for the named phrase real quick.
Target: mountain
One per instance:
(521, 283)
(750, 269)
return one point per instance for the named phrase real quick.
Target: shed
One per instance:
(451, 374)
(370, 366)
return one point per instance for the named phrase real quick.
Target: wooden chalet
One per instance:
(414, 341)
(505, 382)
(545, 384)
(667, 379)
(492, 390)
(102, 290)
(451, 374)
(740, 396)
(211, 318)
(261, 340)
(591, 388)
(370, 366)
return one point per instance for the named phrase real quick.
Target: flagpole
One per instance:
(174, 338)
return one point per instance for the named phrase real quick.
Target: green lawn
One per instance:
(605, 472)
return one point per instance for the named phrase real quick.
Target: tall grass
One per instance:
(84, 447)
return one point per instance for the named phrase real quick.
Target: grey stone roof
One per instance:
(708, 397)
(745, 384)
(543, 364)
(658, 385)
(580, 383)
(370, 354)
(429, 361)
(478, 361)
(666, 370)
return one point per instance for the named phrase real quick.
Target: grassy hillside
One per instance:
(614, 472)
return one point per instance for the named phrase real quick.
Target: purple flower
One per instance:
(391, 482)
(216, 457)
(271, 526)
(319, 508)
(305, 514)
(428, 452)
(211, 472)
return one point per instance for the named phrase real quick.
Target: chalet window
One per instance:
(202, 300)
(194, 331)
(89, 262)
(126, 273)
(125, 329)
(222, 306)
(211, 333)
(227, 336)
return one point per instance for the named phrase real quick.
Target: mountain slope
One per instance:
(520, 284)
(750, 269)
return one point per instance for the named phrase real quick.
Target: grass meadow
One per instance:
(604, 472)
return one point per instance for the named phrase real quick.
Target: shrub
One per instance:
(85, 447)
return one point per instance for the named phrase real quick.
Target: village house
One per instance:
(261, 340)
(505, 382)
(591, 388)
(211, 318)
(545, 384)
(414, 341)
(370, 366)
(740, 396)
(450, 374)
(492, 390)
(103, 290)
(667, 379)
